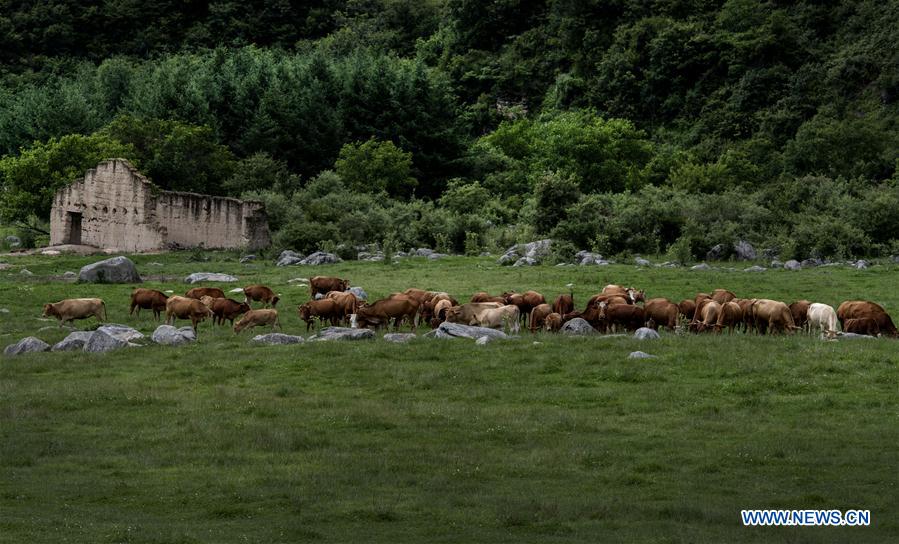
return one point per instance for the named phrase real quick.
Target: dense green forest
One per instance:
(622, 127)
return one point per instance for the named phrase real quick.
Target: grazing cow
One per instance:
(564, 304)
(324, 308)
(730, 315)
(706, 316)
(324, 284)
(200, 292)
(538, 316)
(148, 299)
(687, 308)
(347, 302)
(70, 309)
(185, 308)
(258, 318)
(662, 312)
(439, 312)
(553, 322)
(799, 310)
(702, 300)
(862, 325)
(722, 296)
(609, 299)
(823, 317)
(481, 296)
(626, 315)
(227, 308)
(854, 309)
(631, 294)
(467, 314)
(207, 300)
(748, 321)
(397, 307)
(772, 315)
(504, 316)
(526, 302)
(260, 293)
(428, 308)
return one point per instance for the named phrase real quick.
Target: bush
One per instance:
(376, 166)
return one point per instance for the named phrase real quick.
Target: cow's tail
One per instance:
(103, 305)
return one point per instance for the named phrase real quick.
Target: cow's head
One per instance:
(244, 307)
(49, 310)
(344, 285)
(275, 300)
(453, 313)
(304, 310)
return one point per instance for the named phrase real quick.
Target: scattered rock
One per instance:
(122, 332)
(770, 253)
(198, 277)
(525, 261)
(69, 275)
(457, 330)
(247, 258)
(359, 292)
(716, 253)
(236, 290)
(343, 333)
(26, 272)
(13, 241)
(744, 251)
(792, 264)
(484, 340)
(894, 258)
(102, 341)
(298, 280)
(154, 263)
(584, 258)
(668, 264)
(423, 252)
(399, 337)
(5, 266)
(811, 263)
(436, 256)
(75, 341)
(288, 257)
(114, 270)
(277, 339)
(171, 336)
(484, 254)
(849, 336)
(645, 333)
(534, 252)
(4, 310)
(755, 268)
(578, 327)
(776, 264)
(319, 258)
(29, 344)
(640, 261)
(51, 252)
(861, 264)
(701, 266)
(640, 355)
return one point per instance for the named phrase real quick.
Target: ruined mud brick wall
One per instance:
(117, 208)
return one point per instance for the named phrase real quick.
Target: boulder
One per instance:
(640, 261)
(114, 270)
(288, 257)
(321, 257)
(102, 341)
(861, 264)
(645, 333)
(436, 256)
(850, 336)
(510, 256)
(359, 292)
(811, 263)
(399, 337)
(792, 264)
(121, 332)
(26, 272)
(701, 266)
(29, 344)
(578, 327)
(75, 341)
(343, 333)
(584, 258)
(776, 264)
(640, 355)
(717, 253)
(533, 252)
(69, 275)
(198, 277)
(13, 241)
(744, 251)
(247, 258)
(755, 268)
(525, 261)
(457, 330)
(276, 339)
(484, 340)
(171, 336)
(423, 252)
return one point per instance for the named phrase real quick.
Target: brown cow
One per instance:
(148, 299)
(324, 284)
(687, 308)
(258, 318)
(260, 293)
(564, 304)
(481, 296)
(553, 322)
(538, 316)
(854, 309)
(70, 309)
(706, 316)
(398, 308)
(722, 296)
(662, 312)
(324, 308)
(439, 312)
(185, 308)
(594, 301)
(428, 308)
(347, 302)
(730, 315)
(226, 308)
(772, 315)
(799, 310)
(862, 325)
(200, 292)
(748, 320)
(626, 315)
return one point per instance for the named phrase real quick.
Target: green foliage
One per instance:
(376, 167)
(472, 244)
(30, 179)
(261, 172)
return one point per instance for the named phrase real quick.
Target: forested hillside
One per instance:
(652, 127)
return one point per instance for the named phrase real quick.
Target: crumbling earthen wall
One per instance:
(120, 209)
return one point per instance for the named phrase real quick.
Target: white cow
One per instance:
(498, 317)
(822, 316)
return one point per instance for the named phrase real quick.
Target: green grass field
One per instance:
(444, 441)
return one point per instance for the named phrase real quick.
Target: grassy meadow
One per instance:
(545, 439)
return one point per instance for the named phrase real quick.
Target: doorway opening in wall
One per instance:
(73, 232)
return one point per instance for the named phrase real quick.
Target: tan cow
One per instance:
(730, 315)
(258, 318)
(185, 308)
(505, 316)
(772, 315)
(706, 316)
(76, 308)
(467, 314)
(722, 296)
(553, 322)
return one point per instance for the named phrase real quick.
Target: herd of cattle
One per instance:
(615, 308)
